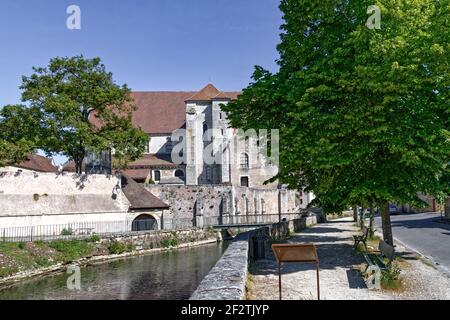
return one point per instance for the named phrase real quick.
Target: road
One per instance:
(423, 233)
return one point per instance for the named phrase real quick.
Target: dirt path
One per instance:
(339, 275)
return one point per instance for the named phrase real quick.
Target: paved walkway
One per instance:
(339, 275)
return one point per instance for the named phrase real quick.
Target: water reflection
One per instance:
(168, 275)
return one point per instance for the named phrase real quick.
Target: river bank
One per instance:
(158, 275)
(21, 261)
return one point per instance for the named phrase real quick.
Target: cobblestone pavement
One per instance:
(339, 271)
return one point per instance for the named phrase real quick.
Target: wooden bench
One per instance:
(361, 238)
(386, 252)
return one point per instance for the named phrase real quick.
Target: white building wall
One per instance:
(157, 143)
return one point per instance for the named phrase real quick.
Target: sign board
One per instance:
(296, 253)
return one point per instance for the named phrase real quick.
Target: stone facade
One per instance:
(189, 203)
(36, 199)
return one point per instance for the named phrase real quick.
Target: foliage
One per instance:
(74, 106)
(169, 242)
(72, 250)
(117, 247)
(67, 232)
(94, 238)
(390, 277)
(363, 114)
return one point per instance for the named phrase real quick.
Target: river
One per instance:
(171, 275)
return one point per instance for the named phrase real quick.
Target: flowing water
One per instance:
(171, 275)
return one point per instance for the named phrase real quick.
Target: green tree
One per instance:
(76, 108)
(16, 137)
(363, 113)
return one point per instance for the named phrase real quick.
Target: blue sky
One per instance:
(150, 45)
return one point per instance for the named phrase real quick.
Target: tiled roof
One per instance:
(162, 112)
(139, 197)
(69, 166)
(38, 163)
(137, 173)
(152, 161)
(210, 92)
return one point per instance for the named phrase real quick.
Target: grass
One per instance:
(390, 278)
(249, 285)
(118, 247)
(71, 250)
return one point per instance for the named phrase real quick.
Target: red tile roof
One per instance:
(162, 112)
(37, 163)
(210, 92)
(139, 197)
(152, 161)
(140, 174)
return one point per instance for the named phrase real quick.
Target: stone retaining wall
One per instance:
(157, 239)
(227, 279)
(134, 244)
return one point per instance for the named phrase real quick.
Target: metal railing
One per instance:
(249, 219)
(73, 230)
(83, 230)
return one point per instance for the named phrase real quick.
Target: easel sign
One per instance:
(296, 253)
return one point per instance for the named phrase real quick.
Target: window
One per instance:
(157, 175)
(220, 115)
(244, 161)
(179, 174)
(205, 128)
(244, 181)
(263, 206)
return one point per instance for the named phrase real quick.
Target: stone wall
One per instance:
(157, 239)
(31, 198)
(188, 203)
(227, 279)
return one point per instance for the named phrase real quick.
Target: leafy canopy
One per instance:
(363, 114)
(74, 106)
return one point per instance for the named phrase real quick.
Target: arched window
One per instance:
(244, 161)
(179, 174)
(144, 222)
(157, 175)
(205, 128)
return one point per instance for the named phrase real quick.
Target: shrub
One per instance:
(390, 278)
(116, 247)
(7, 271)
(94, 238)
(73, 249)
(42, 261)
(21, 245)
(170, 242)
(67, 232)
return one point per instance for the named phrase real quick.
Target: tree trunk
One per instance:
(78, 164)
(371, 217)
(362, 218)
(386, 224)
(355, 213)
(447, 208)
